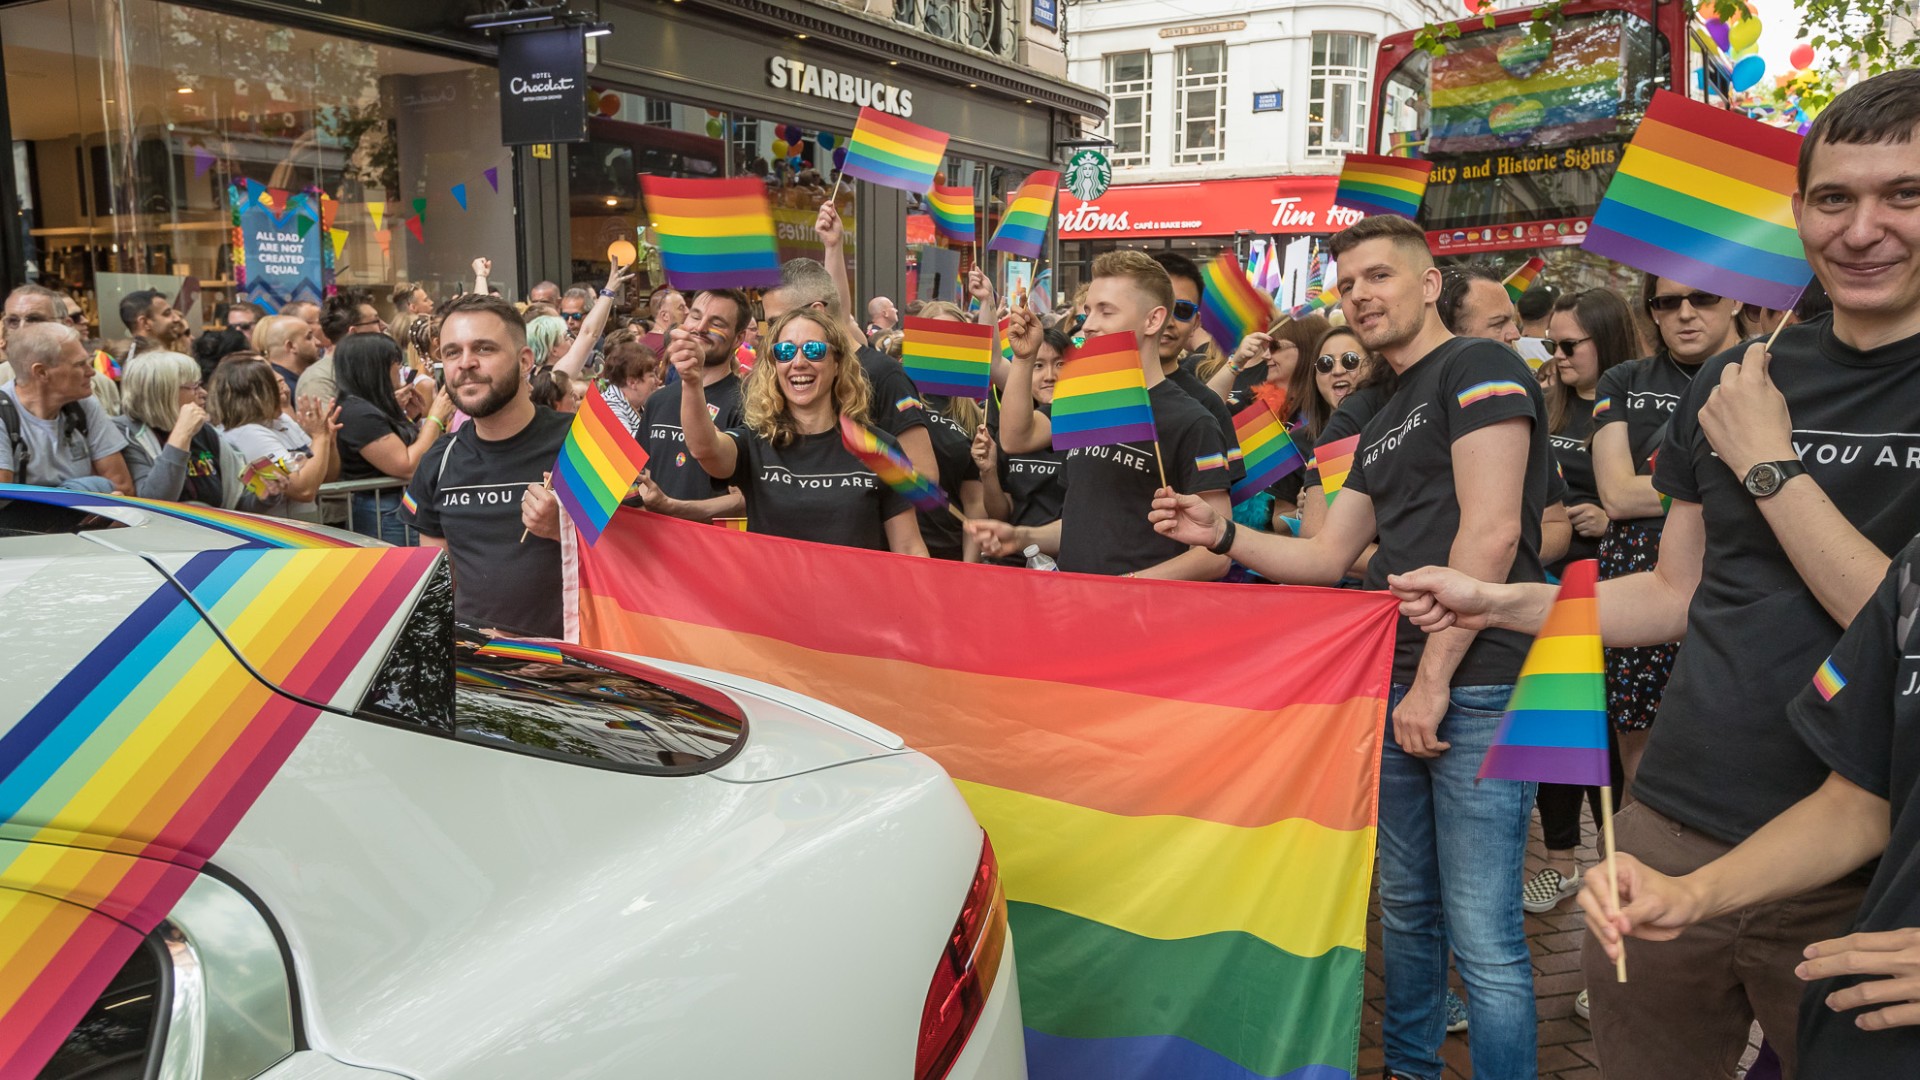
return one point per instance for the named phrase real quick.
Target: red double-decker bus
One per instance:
(1524, 135)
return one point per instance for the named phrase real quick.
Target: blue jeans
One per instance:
(1451, 853)
(377, 514)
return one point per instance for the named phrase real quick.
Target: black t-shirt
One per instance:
(361, 424)
(953, 449)
(672, 468)
(1573, 461)
(467, 492)
(1240, 395)
(1642, 394)
(1405, 464)
(1103, 522)
(814, 489)
(1035, 483)
(1721, 758)
(1216, 408)
(896, 406)
(1347, 422)
(1861, 717)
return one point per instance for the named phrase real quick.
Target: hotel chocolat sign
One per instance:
(543, 86)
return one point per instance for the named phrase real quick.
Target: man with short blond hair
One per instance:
(55, 434)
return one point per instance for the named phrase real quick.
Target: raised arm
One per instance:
(1321, 560)
(718, 454)
(482, 268)
(1255, 349)
(1023, 429)
(833, 243)
(572, 364)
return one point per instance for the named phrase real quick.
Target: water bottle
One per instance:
(1039, 560)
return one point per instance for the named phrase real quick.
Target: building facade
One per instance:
(1239, 111)
(363, 138)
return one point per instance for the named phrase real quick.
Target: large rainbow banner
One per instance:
(1501, 88)
(123, 779)
(1185, 833)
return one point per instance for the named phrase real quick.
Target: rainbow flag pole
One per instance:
(1555, 730)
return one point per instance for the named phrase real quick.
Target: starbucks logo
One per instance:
(1088, 175)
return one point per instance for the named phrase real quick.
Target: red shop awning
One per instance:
(1262, 206)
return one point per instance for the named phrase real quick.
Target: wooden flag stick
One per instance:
(1613, 870)
(838, 176)
(1159, 464)
(546, 481)
(1784, 320)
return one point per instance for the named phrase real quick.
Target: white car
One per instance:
(485, 861)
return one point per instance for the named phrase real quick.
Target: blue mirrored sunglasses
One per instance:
(785, 351)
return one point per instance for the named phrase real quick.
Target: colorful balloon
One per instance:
(779, 148)
(1721, 35)
(793, 133)
(797, 162)
(840, 157)
(609, 103)
(1801, 57)
(825, 139)
(1745, 34)
(714, 128)
(1748, 73)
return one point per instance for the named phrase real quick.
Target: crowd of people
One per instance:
(1749, 502)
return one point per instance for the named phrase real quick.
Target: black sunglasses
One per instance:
(785, 351)
(1665, 304)
(1185, 310)
(1348, 360)
(573, 316)
(1565, 346)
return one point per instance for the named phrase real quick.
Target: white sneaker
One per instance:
(1545, 890)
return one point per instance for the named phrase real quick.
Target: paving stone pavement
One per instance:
(1566, 1045)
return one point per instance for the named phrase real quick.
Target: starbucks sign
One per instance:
(1088, 175)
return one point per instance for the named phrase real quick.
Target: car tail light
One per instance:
(964, 977)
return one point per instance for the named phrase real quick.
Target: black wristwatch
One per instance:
(1768, 477)
(1225, 543)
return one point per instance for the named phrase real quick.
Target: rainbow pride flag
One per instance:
(1023, 228)
(1828, 680)
(1381, 184)
(954, 359)
(122, 778)
(891, 466)
(105, 364)
(1405, 144)
(952, 209)
(1522, 279)
(529, 651)
(1555, 730)
(597, 465)
(1704, 197)
(714, 234)
(1101, 395)
(1231, 307)
(1265, 448)
(893, 152)
(1335, 461)
(1178, 912)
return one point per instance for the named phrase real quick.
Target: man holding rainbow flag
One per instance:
(1790, 473)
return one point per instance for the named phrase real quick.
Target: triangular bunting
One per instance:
(203, 160)
(420, 209)
(413, 226)
(279, 197)
(377, 210)
(339, 242)
(493, 179)
(303, 225)
(460, 195)
(385, 237)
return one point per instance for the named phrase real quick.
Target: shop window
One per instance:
(1130, 124)
(1200, 97)
(1337, 95)
(131, 186)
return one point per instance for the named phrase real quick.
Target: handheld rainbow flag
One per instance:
(1380, 184)
(891, 466)
(1265, 448)
(1230, 306)
(952, 209)
(1335, 461)
(1522, 279)
(597, 465)
(259, 475)
(1101, 395)
(1705, 197)
(893, 152)
(714, 234)
(1006, 342)
(532, 652)
(954, 359)
(105, 364)
(1405, 144)
(1023, 228)
(1555, 729)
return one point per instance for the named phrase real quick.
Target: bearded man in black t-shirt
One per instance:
(673, 483)
(477, 489)
(1453, 468)
(1793, 477)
